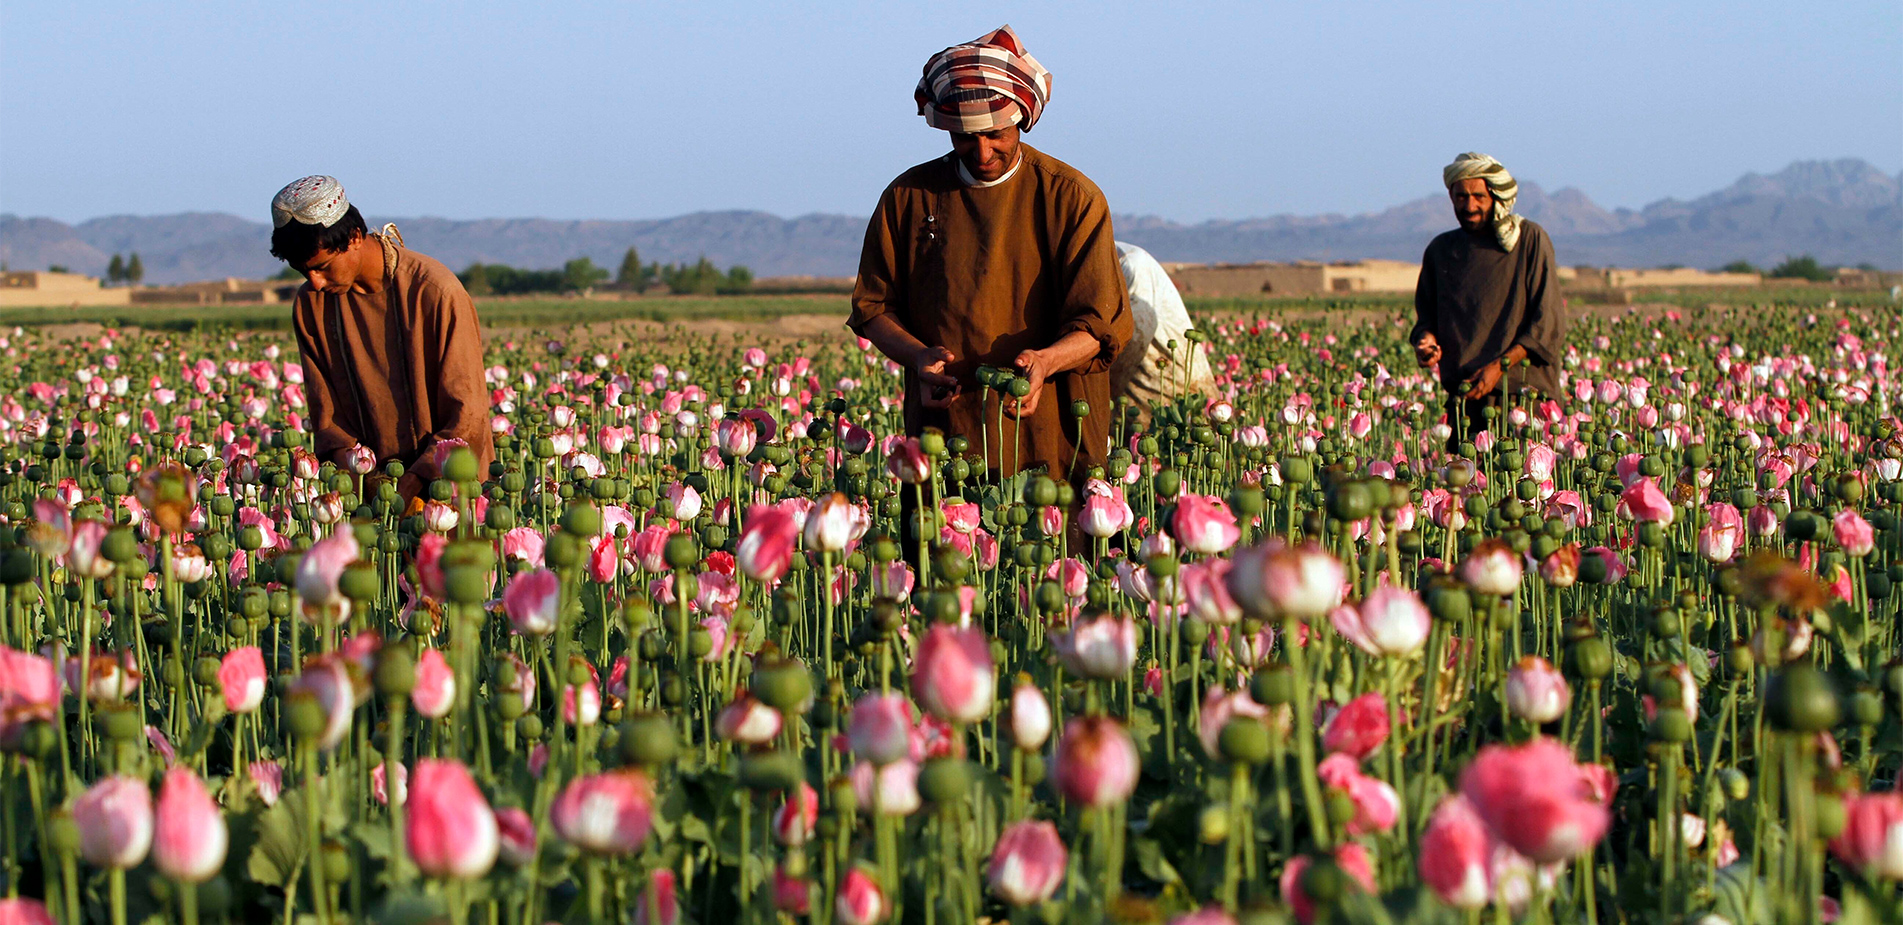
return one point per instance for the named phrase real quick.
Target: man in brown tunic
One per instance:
(1487, 307)
(389, 341)
(996, 255)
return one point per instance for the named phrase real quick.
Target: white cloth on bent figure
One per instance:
(1147, 369)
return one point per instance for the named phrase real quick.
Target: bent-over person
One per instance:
(1487, 308)
(997, 255)
(389, 341)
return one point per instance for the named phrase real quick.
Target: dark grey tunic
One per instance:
(1478, 301)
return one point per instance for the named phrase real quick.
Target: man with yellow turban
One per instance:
(996, 256)
(1487, 307)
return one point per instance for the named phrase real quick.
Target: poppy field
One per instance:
(715, 641)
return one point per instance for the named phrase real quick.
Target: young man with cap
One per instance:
(390, 344)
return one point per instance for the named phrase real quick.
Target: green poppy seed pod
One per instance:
(396, 672)
(1050, 597)
(16, 566)
(1212, 824)
(944, 780)
(1042, 491)
(1168, 482)
(1739, 660)
(120, 546)
(932, 441)
(1339, 807)
(1802, 699)
(770, 771)
(529, 727)
(563, 550)
(461, 465)
(305, 717)
(250, 539)
(501, 517)
(681, 552)
(1248, 500)
(1350, 501)
(360, 581)
(1665, 623)
(1801, 526)
(1244, 740)
(508, 708)
(62, 833)
(648, 739)
(1080, 409)
(1296, 470)
(1866, 708)
(467, 584)
(1162, 566)
(255, 603)
(1671, 725)
(1273, 685)
(393, 469)
(785, 685)
(1736, 784)
(205, 671)
(1324, 882)
(1589, 659)
(582, 520)
(1449, 602)
(1828, 809)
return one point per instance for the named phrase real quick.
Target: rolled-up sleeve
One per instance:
(1096, 301)
(879, 290)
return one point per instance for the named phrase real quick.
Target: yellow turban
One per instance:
(1506, 225)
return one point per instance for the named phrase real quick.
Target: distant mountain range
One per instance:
(1842, 212)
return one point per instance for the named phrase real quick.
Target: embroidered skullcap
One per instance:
(316, 200)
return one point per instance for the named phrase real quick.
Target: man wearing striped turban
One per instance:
(1487, 307)
(998, 257)
(389, 342)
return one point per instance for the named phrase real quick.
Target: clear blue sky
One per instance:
(1190, 111)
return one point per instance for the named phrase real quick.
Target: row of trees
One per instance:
(581, 274)
(1805, 267)
(125, 270)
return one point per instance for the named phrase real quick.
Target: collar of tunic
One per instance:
(965, 177)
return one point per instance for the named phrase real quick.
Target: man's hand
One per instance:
(936, 390)
(1485, 380)
(1034, 366)
(1427, 350)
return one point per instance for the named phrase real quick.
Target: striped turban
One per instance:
(983, 85)
(1506, 225)
(312, 201)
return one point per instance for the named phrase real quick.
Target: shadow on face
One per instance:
(987, 156)
(335, 271)
(1473, 203)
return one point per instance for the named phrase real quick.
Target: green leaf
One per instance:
(1150, 860)
(279, 850)
(374, 837)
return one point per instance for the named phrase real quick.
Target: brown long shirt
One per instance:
(1479, 301)
(396, 370)
(988, 272)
